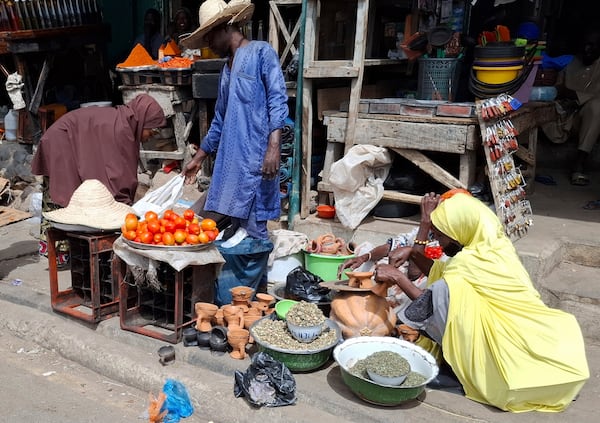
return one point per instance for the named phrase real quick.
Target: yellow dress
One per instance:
(507, 348)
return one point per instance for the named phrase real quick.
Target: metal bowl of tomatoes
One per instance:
(185, 231)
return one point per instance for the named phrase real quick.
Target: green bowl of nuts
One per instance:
(353, 356)
(272, 336)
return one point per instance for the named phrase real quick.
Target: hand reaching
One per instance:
(428, 203)
(399, 256)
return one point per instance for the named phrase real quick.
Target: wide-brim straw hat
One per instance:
(91, 205)
(213, 13)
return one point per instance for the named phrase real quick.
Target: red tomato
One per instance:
(154, 226)
(150, 215)
(194, 228)
(203, 238)
(180, 222)
(192, 239)
(168, 238)
(189, 214)
(208, 224)
(180, 236)
(147, 238)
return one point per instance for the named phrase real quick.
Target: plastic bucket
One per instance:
(324, 266)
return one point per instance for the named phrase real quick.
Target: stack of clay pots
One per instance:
(218, 328)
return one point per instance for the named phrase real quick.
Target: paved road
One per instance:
(38, 385)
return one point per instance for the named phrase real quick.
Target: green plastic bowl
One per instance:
(283, 306)
(352, 350)
(299, 360)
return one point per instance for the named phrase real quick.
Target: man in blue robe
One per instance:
(249, 116)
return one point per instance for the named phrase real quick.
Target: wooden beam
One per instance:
(360, 43)
(430, 167)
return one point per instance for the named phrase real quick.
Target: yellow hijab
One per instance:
(507, 348)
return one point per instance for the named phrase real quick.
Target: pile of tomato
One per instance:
(169, 229)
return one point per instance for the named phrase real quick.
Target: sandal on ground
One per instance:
(592, 205)
(578, 178)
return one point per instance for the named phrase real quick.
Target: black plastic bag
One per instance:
(266, 382)
(302, 285)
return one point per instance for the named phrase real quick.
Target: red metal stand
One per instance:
(93, 295)
(164, 314)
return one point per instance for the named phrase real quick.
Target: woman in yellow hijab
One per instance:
(506, 347)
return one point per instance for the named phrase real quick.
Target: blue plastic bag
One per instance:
(178, 403)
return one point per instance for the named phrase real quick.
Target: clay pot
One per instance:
(251, 312)
(203, 339)
(241, 293)
(219, 319)
(234, 316)
(248, 320)
(265, 299)
(190, 337)
(166, 355)
(238, 338)
(257, 305)
(218, 339)
(244, 305)
(360, 279)
(205, 312)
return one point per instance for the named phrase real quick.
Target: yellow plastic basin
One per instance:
(496, 75)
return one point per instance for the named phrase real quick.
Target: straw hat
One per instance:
(91, 205)
(213, 13)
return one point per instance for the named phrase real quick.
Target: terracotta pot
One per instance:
(248, 320)
(234, 316)
(238, 338)
(241, 293)
(219, 319)
(205, 312)
(253, 312)
(360, 279)
(265, 299)
(243, 304)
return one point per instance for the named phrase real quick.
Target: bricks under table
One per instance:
(93, 295)
(164, 314)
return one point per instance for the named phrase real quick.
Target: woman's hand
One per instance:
(386, 273)
(428, 203)
(352, 264)
(399, 256)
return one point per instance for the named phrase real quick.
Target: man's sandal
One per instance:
(592, 205)
(581, 179)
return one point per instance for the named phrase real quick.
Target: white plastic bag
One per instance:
(357, 182)
(162, 198)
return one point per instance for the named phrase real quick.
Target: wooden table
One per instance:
(408, 136)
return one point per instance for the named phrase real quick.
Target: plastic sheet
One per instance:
(266, 382)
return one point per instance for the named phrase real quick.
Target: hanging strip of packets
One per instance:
(18, 15)
(500, 139)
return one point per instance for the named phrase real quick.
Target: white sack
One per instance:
(357, 182)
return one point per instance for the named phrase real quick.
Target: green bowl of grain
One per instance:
(271, 336)
(350, 353)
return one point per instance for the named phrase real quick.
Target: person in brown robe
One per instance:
(100, 143)
(97, 143)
